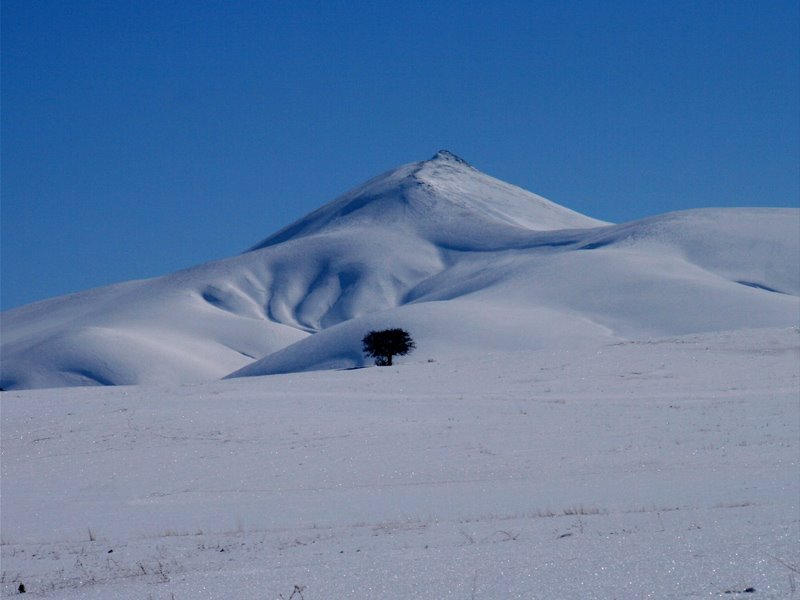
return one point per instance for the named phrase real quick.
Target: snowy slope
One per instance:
(688, 272)
(466, 262)
(661, 469)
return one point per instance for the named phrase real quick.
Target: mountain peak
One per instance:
(446, 155)
(444, 200)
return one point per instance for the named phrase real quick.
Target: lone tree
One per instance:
(383, 345)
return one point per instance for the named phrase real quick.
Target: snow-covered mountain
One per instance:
(467, 263)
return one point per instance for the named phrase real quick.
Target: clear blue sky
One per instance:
(140, 137)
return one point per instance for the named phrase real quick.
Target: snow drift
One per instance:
(464, 261)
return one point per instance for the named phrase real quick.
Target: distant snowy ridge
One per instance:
(464, 261)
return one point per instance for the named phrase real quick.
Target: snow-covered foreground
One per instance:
(661, 468)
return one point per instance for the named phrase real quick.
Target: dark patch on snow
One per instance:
(92, 377)
(759, 286)
(595, 245)
(554, 244)
(210, 296)
(447, 155)
(356, 204)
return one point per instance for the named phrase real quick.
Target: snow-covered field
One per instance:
(658, 468)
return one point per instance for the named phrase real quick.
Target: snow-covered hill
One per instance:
(467, 263)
